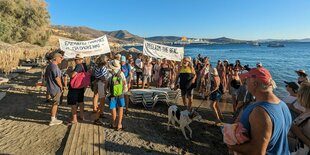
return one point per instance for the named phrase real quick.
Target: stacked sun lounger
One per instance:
(167, 95)
(149, 97)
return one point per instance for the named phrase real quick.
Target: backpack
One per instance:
(116, 84)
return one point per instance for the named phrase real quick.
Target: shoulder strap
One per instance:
(302, 119)
(294, 101)
(83, 67)
(118, 73)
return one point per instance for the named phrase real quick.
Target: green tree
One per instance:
(24, 20)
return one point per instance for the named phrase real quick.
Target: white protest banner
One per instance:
(86, 48)
(161, 51)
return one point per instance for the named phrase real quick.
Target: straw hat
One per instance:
(115, 64)
(214, 72)
(118, 56)
(79, 56)
(301, 72)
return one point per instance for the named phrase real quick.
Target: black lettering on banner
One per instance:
(96, 46)
(165, 49)
(157, 48)
(74, 48)
(173, 50)
(150, 46)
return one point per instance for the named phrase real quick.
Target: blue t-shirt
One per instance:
(126, 69)
(51, 73)
(281, 122)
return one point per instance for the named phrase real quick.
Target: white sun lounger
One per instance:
(149, 97)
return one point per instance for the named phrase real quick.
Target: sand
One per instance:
(24, 118)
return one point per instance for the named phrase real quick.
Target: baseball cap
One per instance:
(261, 74)
(123, 59)
(293, 85)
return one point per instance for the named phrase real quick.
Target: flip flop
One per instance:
(71, 123)
(112, 127)
(120, 129)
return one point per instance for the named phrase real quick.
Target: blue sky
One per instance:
(239, 19)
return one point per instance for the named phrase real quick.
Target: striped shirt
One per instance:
(100, 72)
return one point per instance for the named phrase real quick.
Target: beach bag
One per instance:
(116, 84)
(80, 80)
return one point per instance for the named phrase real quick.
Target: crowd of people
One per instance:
(274, 126)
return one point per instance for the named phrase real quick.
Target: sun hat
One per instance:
(118, 56)
(79, 56)
(214, 72)
(301, 72)
(123, 59)
(115, 64)
(293, 85)
(261, 74)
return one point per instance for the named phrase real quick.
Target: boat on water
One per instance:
(275, 45)
(255, 44)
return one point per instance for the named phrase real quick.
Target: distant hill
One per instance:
(224, 40)
(164, 38)
(85, 33)
(125, 35)
(285, 40)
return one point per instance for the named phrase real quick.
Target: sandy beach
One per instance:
(24, 129)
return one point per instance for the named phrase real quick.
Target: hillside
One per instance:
(164, 38)
(224, 40)
(84, 33)
(126, 36)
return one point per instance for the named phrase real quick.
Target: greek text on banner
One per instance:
(87, 48)
(161, 51)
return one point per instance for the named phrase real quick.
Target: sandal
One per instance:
(112, 127)
(71, 123)
(120, 129)
(98, 122)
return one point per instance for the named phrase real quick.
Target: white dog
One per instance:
(184, 118)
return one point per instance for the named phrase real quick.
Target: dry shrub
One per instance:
(11, 55)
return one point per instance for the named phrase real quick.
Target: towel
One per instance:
(235, 134)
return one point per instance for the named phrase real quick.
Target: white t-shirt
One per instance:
(290, 99)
